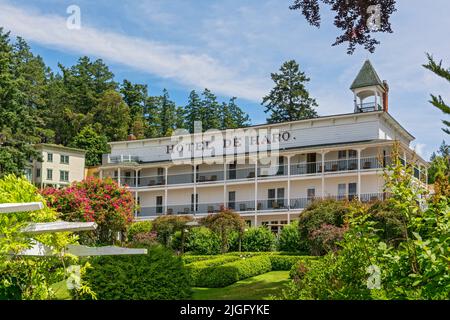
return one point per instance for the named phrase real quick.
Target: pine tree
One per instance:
(289, 100)
(167, 114)
(233, 116)
(210, 111)
(18, 120)
(193, 110)
(437, 101)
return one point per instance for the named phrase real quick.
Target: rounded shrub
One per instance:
(158, 275)
(202, 240)
(289, 239)
(138, 227)
(258, 239)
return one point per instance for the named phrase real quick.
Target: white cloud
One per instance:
(181, 64)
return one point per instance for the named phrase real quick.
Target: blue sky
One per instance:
(232, 46)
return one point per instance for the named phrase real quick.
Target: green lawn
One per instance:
(256, 288)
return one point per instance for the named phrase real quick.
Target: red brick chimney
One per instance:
(385, 96)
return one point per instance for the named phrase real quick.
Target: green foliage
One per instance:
(416, 268)
(223, 223)
(139, 227)
(199, 271)
(289, 239)
(289, 100)
(159, 275)
(190, 258)
(437, 101)
(94, 143)
(228, 273)
(321, 214)
(26, 277)
(19, 119)
(166, 226)
(281, 262)
(202, 240)
(258, 239)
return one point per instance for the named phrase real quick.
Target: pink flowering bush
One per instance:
(94, 200)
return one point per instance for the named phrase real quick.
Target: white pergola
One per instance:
(39, 249)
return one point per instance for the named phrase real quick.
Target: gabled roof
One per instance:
(366, 77)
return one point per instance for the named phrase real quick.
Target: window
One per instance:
(352, 190)
(64, 176)
(232, 200)
(159, 204)
(275, 198)
(49, 174)
(342, 189)
(64, 159)
(49, 157)
(352, 154)
(38, 173)
(311, 193)
(342, 154)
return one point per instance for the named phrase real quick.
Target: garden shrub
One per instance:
(290, 238)
(258, 239)
(94, 200)
(199, 270)
(188, 258)
(316, 217)
(202, 240)
(229, 273)
(283, 262)
(166, 226)
(159, 275)
(28, 278)
(138, 227)
(299, 268)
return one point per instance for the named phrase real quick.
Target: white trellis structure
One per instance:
(38, 249)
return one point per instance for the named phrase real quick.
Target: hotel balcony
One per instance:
(147, 178)
(248, 206)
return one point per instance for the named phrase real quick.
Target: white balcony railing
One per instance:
(248, 206)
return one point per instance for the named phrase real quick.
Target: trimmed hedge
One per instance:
(187, 259)
(229, 273)
(283, 262)
(159, 275)
(199, 270)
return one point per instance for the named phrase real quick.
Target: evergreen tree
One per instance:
(94, 143)
(152, 117)
(113, 114)
(289, 100)
(168, 114)
(18, 120)
(437, 101)
(135, 96)
(193, 111)
(233, 116)
(209, 111)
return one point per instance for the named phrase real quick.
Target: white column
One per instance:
(376, 95)
(323, 173)
(166, 169)
(195, 187)
(101, 174)
(359, 174)
(224, 182)
(289, 188)
(136, 195)
(136, 177)
(256, 190)
(118, 176)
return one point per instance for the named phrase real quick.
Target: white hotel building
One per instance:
(340, 156)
